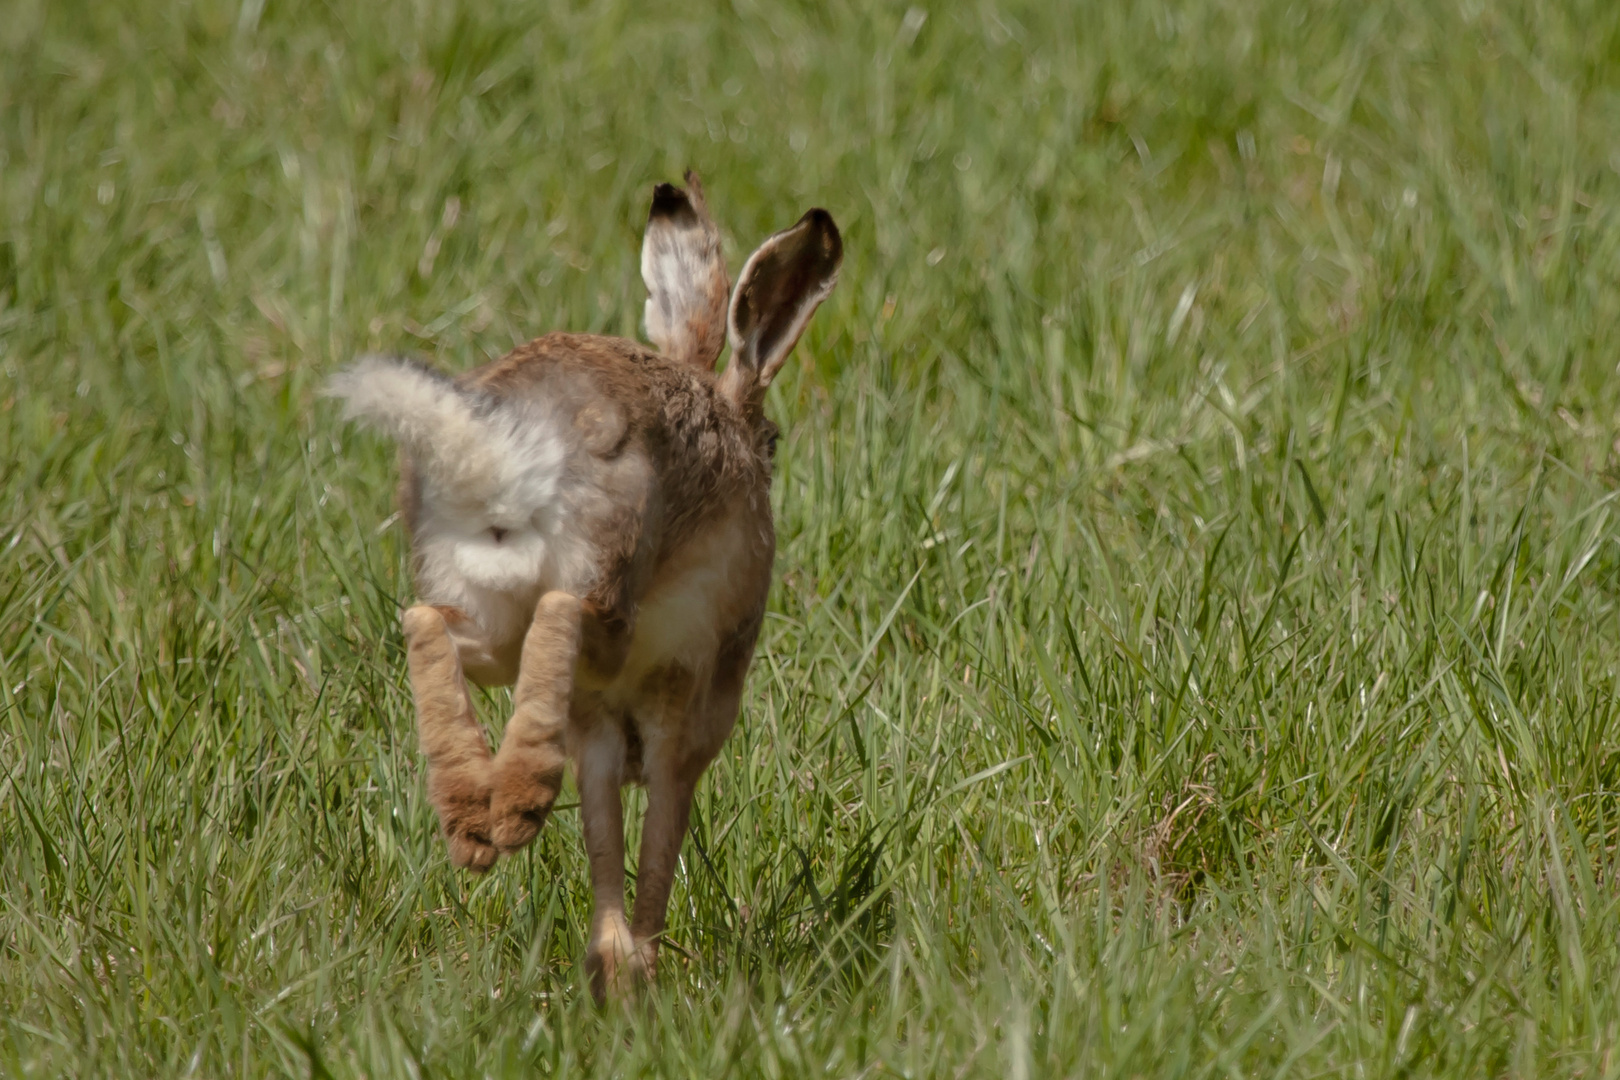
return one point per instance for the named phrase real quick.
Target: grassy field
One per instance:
(1195, 649)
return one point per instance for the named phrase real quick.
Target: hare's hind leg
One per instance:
(528, 769)
(457, 754)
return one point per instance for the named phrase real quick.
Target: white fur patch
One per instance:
(496, 520)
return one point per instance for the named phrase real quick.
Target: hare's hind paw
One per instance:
(456, 750)
(462, 802)
(513, 830)
(528, 770)
(470, 852)
(525, 786)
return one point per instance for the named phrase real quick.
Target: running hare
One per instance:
(592, 519)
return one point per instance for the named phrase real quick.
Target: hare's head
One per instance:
(780, 287)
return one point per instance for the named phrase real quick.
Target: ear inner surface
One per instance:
(780, 288)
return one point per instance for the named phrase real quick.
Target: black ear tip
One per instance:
(669, 201)
(821, 224)
(818, 219)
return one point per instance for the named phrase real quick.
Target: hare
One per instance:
(592, 520)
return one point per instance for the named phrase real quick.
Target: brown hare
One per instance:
(592, 519)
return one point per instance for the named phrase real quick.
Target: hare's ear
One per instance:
(780, 287)
(685, 275)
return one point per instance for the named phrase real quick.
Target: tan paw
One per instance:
(512, 827)
(523, 788)
(462, 802)
(470, 851)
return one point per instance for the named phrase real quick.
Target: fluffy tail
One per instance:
(437, 423)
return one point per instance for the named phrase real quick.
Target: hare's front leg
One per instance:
(599, 769)
(669, 808)
(457, 754)
(672, 773)
(529, 767)
(689, 725)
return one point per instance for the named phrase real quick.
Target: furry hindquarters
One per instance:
(528, 769)
(457, 754)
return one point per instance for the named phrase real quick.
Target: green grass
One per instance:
(1195, 650)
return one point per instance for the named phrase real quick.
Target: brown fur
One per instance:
(638, 679)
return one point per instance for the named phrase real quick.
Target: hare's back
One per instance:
(595, 368)
(620, 394)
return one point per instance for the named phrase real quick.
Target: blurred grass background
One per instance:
(1195, 646)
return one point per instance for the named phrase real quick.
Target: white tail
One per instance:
(495, 492)
(426, 414)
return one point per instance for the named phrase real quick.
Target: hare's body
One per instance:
(624, 478)
(591, 519)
